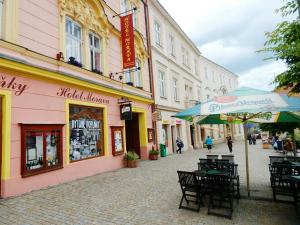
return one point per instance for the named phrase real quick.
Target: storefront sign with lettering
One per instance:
(80, 95)
(12, 83)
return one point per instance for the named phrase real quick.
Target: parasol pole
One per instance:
(246, 154)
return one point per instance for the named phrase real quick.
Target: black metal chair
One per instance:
(191, 190)
(212, 157)
(220, 190)
(228, 157)
(280, 185)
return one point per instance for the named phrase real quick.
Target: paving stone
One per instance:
(149, 194)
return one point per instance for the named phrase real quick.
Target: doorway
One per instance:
(192, 127)
(173, 138)
(202, 134)
(133, 134)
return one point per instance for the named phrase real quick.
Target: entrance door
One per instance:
(202, 134)
(0, 144)
(133, 134)
(173, 138)
(192, 134)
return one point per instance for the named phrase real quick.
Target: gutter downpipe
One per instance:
(150, 66)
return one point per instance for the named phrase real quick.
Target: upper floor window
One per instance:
(213, 76)
(95, 52)
(175, 89)
(134, 16)
(127, 77)
(186, 91)
(157, 33)
(73, 40)
(162, 84)
(196, 67)
(205, 73)
(207, 97)
(1, 16)
(230, 83)
(191, 93)
(124, 6)
(138, 74)
(172, 45)
(199, 94)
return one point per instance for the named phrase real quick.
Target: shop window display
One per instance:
(41, 148)
(86, 132)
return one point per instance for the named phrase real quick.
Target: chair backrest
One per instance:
(213, 157)
(276, 159)
(187, 179)
(228, 157)
(219, 185)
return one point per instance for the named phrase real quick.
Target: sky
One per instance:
(229, 32)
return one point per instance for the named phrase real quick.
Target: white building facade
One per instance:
(179, 72)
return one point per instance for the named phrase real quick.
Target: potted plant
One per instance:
(153, 154)
(130, 159)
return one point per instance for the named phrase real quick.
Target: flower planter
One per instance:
(131, 163)
(265, 146)
(153, 157)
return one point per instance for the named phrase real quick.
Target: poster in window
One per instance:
(86, 132)
(117, 140)
(150, 134)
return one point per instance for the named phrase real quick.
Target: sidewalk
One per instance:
(149, 194)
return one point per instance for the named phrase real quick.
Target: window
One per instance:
(162, 85)
(183, 55)
(127, 76)
(186, 91)
(175, 89)
(157, 33)
(199, 94)
(86, 132)
(191, 93)
(230, 83)
(124, 4)
(207, 97)
(41, 148)
(172, 45)
(138, 74)
(196, 67)
(205, 72)
(1, 17)
(187, 63)
(213, 76)
(134, 16)
(219, 131)
(95, 52)
(73, 40)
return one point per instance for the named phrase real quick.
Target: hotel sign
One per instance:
(127, 40)
(126, 111)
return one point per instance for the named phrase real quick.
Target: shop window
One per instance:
(41, 148)
(73, 41)
(86, 132)
(95, 53)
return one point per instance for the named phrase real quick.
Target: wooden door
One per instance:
(132, 134)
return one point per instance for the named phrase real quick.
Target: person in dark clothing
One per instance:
(249, 139)
(229, 143)
(253, 138)
(179, 144)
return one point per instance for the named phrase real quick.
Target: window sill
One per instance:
(41, 171)
(93, 157)
(163, 97)
(176, 100)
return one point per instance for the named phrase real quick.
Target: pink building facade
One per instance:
(64, 94)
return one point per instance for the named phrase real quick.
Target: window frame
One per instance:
(138, 74)
(1, 17)
(172, 45)
(175, 89)
(162, 84)
(44, 128)
(72, 37)
(102, 135)
(93, 49)
(157, 34)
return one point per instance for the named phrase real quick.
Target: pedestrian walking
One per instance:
(179, 144)
(229, 143)
(253, 139)
(249, 139)
(208, 143)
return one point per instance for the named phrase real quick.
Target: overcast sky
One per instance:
(229, 32)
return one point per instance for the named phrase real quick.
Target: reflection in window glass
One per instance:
(52, 141)
(34, 150)
(86, 132)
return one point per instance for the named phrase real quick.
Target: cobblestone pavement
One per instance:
(149, 194)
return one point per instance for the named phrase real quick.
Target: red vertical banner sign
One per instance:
(127, 39)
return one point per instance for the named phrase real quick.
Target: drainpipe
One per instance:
(150, 66)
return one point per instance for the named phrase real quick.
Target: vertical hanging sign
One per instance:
(127, 39)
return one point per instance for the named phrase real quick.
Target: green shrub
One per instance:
(131, 155)
(153, 152)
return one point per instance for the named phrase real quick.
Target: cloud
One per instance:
(228, 32)
(262, 77)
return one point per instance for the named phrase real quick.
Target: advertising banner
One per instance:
(127, 40)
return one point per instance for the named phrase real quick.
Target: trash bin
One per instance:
(163, 150)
